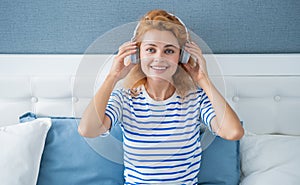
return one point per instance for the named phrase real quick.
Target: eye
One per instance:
(169, 51)
(150, 50)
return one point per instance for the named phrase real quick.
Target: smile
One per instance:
(159, 67)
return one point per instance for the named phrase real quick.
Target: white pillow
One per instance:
(21, 150)
(270, 159)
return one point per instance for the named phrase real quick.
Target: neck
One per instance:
(159, 90)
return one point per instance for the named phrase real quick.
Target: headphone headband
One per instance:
(186, 30)
(181, 22)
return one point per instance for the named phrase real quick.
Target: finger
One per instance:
(187, 67)
(196, 55)
(127, 46)
(127, 53)
(194, 51)
(194, 47)
(123, 50)
(120, 58)
(123, 45)
(193, 44)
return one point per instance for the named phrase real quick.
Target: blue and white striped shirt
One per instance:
(161, 139)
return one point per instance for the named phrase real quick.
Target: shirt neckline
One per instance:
(148, 97)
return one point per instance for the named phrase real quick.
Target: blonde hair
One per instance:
(160, 20)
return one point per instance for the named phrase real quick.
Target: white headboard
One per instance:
(264, 89)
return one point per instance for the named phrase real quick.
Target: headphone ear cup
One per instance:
(135, 57)
(184, 56)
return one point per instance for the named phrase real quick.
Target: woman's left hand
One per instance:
(198, 70)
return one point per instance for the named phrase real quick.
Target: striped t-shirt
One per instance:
(161, 139)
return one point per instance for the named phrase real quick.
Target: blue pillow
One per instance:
(69, 160)
(220, 164)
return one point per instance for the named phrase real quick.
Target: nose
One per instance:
(159, 55)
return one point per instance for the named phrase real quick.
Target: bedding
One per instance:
(21, 151)
(67, 154)
(270, 159)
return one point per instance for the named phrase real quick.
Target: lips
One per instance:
(159, 67)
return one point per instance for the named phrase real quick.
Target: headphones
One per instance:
(184, 55)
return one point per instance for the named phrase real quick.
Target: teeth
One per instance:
(159, 67)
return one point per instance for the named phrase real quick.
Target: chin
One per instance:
(162, 79)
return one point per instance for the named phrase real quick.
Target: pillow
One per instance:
(68, 159)
(21, 151)
(270, 159)
(220, 163)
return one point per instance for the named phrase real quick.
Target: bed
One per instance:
(48, 94)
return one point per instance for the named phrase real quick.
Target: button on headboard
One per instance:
(263, 89)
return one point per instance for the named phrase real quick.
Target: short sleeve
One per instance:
(207, 113)
(114, 107)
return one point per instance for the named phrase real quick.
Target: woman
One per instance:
(162, 106)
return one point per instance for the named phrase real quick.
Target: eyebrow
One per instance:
(166, 46)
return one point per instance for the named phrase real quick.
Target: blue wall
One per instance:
(227, 26)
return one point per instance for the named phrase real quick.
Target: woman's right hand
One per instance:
(120, 69)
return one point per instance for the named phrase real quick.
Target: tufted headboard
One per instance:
(264, 89)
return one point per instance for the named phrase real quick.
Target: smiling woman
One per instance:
(161, 111)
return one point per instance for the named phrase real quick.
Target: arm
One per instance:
(226, 123)
(94, 121)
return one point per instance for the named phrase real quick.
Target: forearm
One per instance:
(226, 123)
(93, 121)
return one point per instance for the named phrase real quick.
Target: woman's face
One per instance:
(159, 53)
